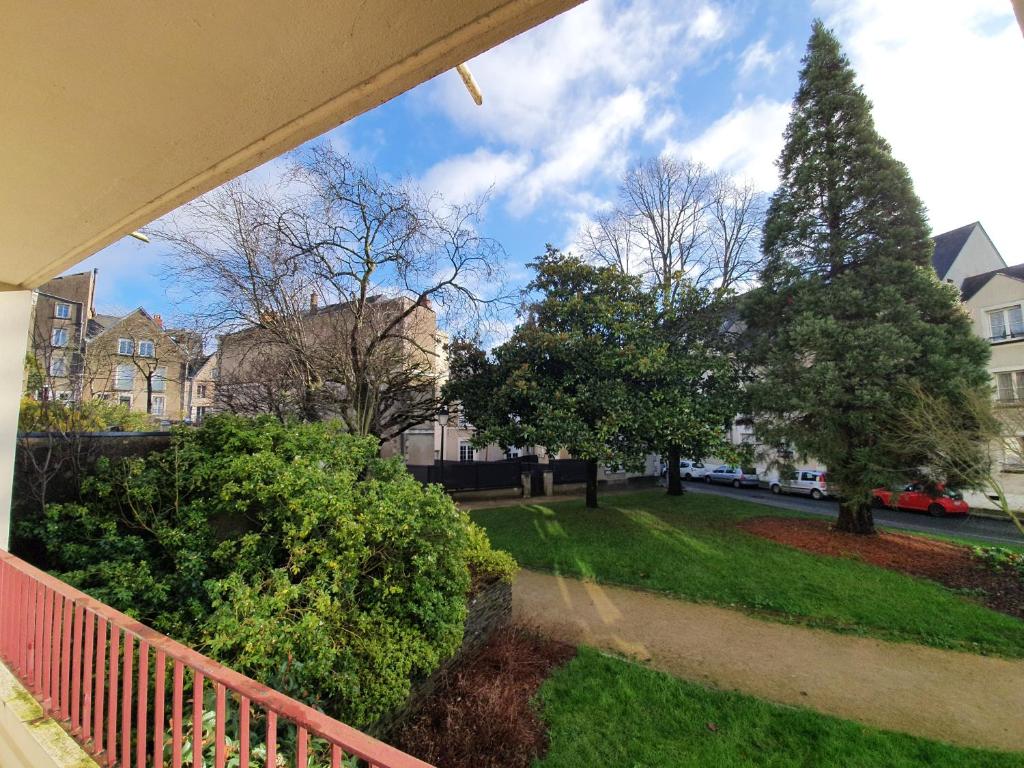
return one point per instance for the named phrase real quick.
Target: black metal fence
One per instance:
(567, 471)
(472, 475)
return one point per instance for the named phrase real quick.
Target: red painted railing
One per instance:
(120, 689)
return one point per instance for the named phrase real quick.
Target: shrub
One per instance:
(85, 416)
(292, 553)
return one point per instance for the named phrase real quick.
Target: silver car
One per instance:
(732, 475)
(810, 482)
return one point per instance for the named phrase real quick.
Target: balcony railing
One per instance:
(119, 688)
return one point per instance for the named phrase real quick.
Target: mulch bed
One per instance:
(951, 565)
(480, 715)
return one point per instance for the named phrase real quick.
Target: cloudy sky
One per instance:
(569, 105)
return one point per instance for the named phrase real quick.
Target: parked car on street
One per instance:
(735, 476)
(810, 482)
(936, 500)
(688, 470)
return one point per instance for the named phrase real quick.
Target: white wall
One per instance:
(976, 257)
(15, 308)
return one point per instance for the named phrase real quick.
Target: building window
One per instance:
(200, 414)
(59, 337)
(125, 400)
(160, 379)
(1006, 323)
(124, 377)
(466, 451)
(1010, 386)
(200, 390)
(146, 349)
(125, 346)
(58, 367)
(159, 404)
(62, 311)
(513, 452)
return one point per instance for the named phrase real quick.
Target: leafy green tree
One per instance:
(850, 313)
(566, 377)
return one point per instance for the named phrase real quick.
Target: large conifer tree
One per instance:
(850, 315)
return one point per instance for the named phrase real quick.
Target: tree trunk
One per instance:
(855, 516)
(675, 485)
(591, 484)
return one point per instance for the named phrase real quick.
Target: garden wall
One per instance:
(490, 607)
(50, 467)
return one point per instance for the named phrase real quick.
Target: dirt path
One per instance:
(954, 697)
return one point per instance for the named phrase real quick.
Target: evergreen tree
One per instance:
(850, 319)
(566, 378)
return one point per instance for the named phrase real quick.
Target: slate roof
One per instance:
(948, 246)
(975, 283)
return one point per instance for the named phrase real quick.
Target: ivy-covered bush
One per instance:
(292, 553)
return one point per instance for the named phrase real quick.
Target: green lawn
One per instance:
(608, 712)
(689, 547)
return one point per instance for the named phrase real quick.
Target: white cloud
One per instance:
(944, 78)
(466, 177)
(573, 94)
(708, 24)
(745, 142)
(758, 57)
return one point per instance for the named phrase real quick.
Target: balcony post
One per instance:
(15, 309)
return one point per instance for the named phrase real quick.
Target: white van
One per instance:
(810, 482)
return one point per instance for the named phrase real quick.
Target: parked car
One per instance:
(807, 481)
(734, 476)
(937, 500)
(688, 470)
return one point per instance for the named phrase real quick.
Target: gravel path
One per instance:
(954, 697)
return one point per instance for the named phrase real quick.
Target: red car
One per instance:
(937, 501)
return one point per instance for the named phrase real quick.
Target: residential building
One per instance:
(201, 388)
(133, 361)
(256, 372)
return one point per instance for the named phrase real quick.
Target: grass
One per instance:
(689, 547)
(605, 711)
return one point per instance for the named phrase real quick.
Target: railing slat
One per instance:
(115, 641)
(301, 759)
(37, 649)
(54, 692)
(65, 661)
(44, 660)
(158, 710)
(243, 732)
(219, 712)
(76, 670)
(271, 738)
(101, 661)
(90, 631)
(197, 718)
(177, 695)
(126, 701)
(141, 702)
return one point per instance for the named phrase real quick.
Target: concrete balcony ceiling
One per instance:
(113, 114)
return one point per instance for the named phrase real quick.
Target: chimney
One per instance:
(158, 320)
(312, 302)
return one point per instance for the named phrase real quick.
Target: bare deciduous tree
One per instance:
(337, 278)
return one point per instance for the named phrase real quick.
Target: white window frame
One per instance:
(58, 366)
(62, 311)
(200, 390)
(121, 378)
(1009, 385)
(466, 449)
(59, 337)
(125, 347)
(160, 379)
(159, 405)
(143, 351)
(124, 400)
(1010, 322)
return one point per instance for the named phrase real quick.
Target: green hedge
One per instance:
(292, 553)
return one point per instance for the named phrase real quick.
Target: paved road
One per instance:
(981, 528)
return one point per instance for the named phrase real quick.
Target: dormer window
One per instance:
(62, 311)
(146, 348)
(1006, 323)
(125, 347)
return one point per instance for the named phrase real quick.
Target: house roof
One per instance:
(948, 246)
(975, 283)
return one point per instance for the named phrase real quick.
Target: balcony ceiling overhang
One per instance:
(113, 114)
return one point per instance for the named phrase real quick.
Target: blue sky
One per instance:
(568, 106)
